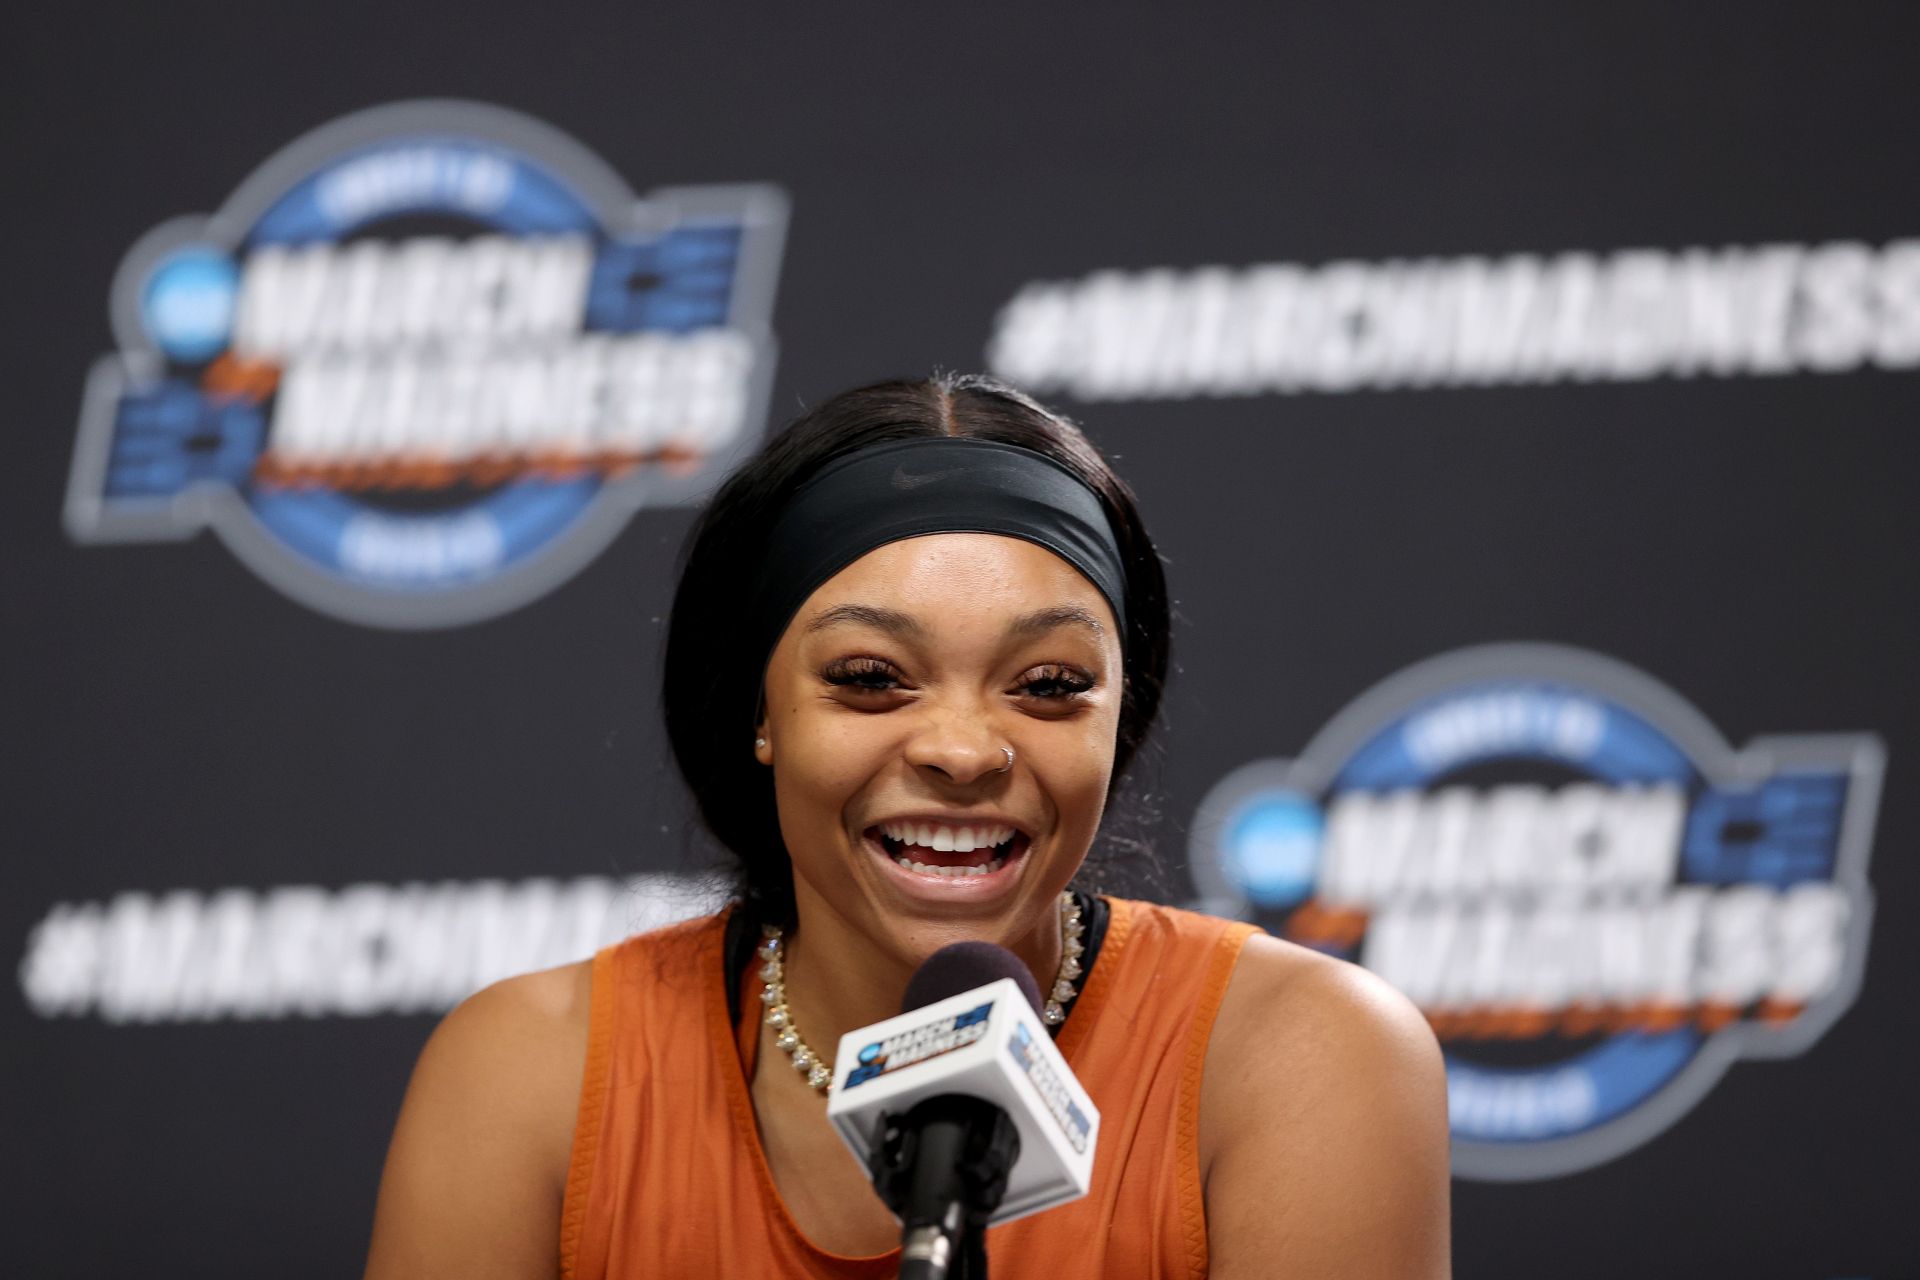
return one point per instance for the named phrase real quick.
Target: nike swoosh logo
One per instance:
(901, 480)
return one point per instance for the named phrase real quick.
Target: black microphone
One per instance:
(942, 1165)
(962, 1109)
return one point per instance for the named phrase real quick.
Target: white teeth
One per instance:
(947, 839)
(949, 873)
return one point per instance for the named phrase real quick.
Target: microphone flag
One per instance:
(987, 1043)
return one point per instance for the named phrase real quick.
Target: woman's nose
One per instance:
(960, 745)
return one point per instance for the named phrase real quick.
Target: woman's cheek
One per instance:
(1081, 770)
(820, 763)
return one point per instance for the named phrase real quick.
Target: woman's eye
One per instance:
(1055, 683)
(864, 675)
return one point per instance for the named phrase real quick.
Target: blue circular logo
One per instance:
(189, 301)
(1272, 848)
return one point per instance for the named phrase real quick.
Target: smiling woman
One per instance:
(917, 641)
(912, 725)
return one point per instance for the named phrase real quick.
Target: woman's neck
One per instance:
(838, 978)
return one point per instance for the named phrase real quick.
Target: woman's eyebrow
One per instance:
(905, 625)
(1041, 621)
(891, 621)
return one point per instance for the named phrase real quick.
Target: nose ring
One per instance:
(1009, 764)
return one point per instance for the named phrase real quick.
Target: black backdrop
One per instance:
(173, 722)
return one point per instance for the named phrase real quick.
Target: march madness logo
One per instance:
(1598, 904)
(1059, 1103)
(929, 1040)
(426, 362)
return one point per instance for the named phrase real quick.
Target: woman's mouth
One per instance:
(949, 850)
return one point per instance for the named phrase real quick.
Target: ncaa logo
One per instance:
(426, 362)
(1598, 904)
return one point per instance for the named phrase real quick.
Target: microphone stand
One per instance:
(942, 1167)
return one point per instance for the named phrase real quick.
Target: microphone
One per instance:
(962, 1109)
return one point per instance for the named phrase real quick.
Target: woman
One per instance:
(915, 644)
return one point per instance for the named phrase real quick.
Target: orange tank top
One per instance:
(668, 1178)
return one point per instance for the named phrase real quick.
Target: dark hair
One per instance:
(711, 710)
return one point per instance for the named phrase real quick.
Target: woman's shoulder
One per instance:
(529, 1012)
(1269, 993)
(479, 1155)
(514, 1051)
(1282, 992)
(1324, 1023)
(1326, 1086)
(1278, 988)
(536, 1024)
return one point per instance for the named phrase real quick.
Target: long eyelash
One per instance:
(1055, 683)
(1066, 683)
(860, 673)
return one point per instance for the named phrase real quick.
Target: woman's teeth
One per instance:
(979, 849)
(951, 872)
(945, 839)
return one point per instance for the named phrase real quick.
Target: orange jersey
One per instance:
(668, 1177)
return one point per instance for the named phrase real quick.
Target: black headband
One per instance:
(938, 484)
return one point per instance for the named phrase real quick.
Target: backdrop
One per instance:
(1523, 401)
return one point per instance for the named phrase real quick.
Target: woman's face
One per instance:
(889, 700)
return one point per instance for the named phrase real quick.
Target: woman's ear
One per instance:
(762, 740)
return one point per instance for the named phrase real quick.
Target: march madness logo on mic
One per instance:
(1598, 903)
(1054, 1096)
(426, 362)
(929, 1040)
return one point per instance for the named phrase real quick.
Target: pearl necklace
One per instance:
(819, 1071)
